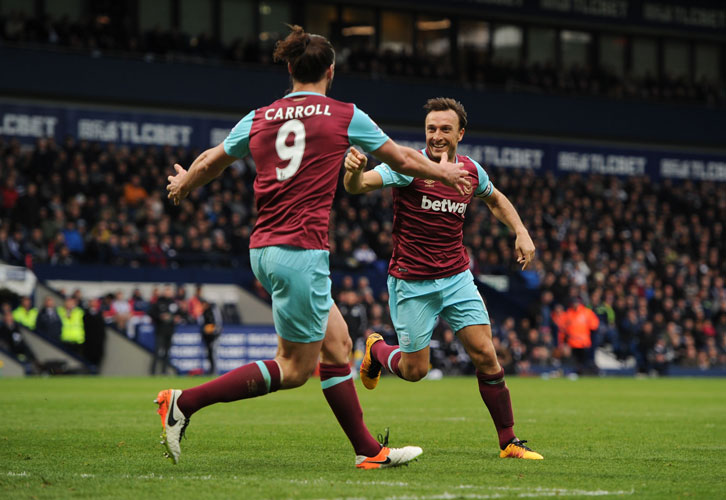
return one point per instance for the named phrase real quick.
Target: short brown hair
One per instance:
(445, 103)
(309, 55)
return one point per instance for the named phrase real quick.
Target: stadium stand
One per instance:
(647, 255)
(104, 35)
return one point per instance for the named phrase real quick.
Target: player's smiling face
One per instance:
(442, 133)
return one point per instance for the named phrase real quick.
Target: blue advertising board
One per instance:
(236, 346)
(27, 122)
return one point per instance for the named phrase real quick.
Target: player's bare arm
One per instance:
(208, 166)
(503, 210)
(408, 161)
(356, 179)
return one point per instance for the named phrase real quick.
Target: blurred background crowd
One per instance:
(641, 262)
(647, 257)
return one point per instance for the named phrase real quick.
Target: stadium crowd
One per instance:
(78, 322)
(105, 36)
(649, 258)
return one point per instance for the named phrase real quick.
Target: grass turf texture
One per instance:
(98, 438)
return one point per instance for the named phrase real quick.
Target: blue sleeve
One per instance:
(237, 142)
(391, 177)
(485, 188)
(363, 132)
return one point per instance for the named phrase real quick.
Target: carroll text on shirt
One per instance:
(292, 112)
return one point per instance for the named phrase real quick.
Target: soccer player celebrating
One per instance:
(429, 269)
(298, 144)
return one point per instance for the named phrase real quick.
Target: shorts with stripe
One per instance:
(416, 305)
(298, 280)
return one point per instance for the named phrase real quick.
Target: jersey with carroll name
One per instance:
(298, 144)
(428, 222)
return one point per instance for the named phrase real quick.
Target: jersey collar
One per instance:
(293, 94)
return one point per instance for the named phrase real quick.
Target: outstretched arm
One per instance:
(208, 166)
(356, 181)
(503, 210)
(410, 162)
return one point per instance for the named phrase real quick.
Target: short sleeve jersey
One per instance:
(298, 143)
(428, 222)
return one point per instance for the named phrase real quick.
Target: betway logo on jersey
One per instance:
(444, 205)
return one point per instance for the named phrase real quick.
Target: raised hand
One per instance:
(176, 193)
(524, 248)
(355, 161)
(455, 174)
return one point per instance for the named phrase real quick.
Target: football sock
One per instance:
(387, 355)
(495, 394)
(248, 381)
(339, 391)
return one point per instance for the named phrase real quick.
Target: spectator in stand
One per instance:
(354, 314)
(49, 323)
(25, 314)
(183, 305)
(154, 253)
(138, 308)
(165, 316)
(73, 239)
(8, 195)
(607, 332)
(196, 304)
(73, 334)
(451, 357)
(576, 325)
(12, 340)
(211, 329)
(94, 327)
(138, 304)
(629, 331)
(647, 340)
(107, 310)
(134, 192)
(27, 208)
(14, 248)
(538, 352)
(121, 309)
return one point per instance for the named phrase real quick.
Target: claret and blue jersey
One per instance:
(298, 143)
(429, 220)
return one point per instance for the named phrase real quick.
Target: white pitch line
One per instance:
(550, 492)
(18, 474)
(529, 493)
(377, 483)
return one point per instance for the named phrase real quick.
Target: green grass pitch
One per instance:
(98, 438)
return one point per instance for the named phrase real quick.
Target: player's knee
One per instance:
(485, 358)
(296, 378)
(337, 351)
(296, 374)
(416, 372)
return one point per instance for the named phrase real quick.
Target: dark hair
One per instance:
(445, 103)
(308, 55)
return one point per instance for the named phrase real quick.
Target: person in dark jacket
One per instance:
(48, 323)
(165, 315)
(95, 327)
(211, 321)
(11, 339)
